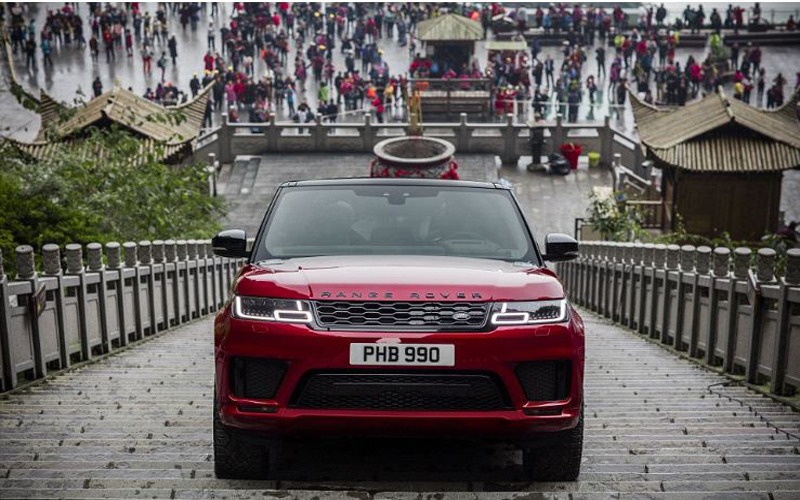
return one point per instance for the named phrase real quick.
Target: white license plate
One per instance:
(403, 354)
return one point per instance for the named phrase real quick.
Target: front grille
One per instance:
(392, 391)
(545, 380)
(463, 316)
(256, 378)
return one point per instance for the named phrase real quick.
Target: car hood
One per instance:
(394, 277)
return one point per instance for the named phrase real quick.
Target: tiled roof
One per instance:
(176, 125)
(449, 27)
(718, 134)
(41, 150)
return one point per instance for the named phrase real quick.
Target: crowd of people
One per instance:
(249, 50)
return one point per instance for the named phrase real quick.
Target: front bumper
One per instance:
(305, 351)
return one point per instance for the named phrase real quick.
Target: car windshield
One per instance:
(385, 219)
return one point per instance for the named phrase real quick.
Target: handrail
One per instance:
(708, 304)
(508, 139)
(53, 317)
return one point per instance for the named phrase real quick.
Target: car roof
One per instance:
(387, 181)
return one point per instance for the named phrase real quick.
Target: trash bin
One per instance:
(571, 152)
(594, 159)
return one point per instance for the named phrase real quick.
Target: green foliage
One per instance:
(23, 98)
(612, 222)
(95, 192)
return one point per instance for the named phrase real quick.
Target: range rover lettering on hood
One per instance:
(395, 296)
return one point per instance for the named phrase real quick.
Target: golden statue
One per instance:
(415, 114)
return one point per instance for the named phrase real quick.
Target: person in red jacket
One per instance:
(377, 103)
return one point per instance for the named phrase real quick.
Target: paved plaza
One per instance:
(554, 202)
(74, 70)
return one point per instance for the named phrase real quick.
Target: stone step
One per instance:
(652, 429)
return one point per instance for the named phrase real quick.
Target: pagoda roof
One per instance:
(721, 134)
(168, 125)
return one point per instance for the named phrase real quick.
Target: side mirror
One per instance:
(230, 243)
(560, 247)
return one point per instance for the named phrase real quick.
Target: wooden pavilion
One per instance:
(722, 162)
(450, 44)
(450, 39)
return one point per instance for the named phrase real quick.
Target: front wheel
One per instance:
(235, 456)
(560, 461)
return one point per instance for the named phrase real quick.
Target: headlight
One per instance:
(526, 313)
(264, 309)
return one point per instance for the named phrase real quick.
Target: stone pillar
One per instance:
(647, 257)
(673, 257)
(191, 249)
(619, 252)
(225, 139)
(145, 252)
(129, 249)
(509, 154)
(158, 251)
(741, 262)
(638, 254)
(660, 256)
(765, 264)
(703, 260)
(558, 136)
(688, 254)
(201, 249)
(51, 259)
(181, 249)
(25, 263)
(169, 250)
(792, 266)
(722, 258)
(627, 256)
(112, 255)
(606, 144)
(74, 254)
(94, 256)
(462, 134)
(368, 134)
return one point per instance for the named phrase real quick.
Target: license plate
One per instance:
(403, 354)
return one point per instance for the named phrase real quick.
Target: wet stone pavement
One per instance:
(552, 202)
(74, 69)
(138, 425)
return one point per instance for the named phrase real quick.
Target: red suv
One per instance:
(397, 307)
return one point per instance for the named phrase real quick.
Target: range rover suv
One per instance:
(397, 307)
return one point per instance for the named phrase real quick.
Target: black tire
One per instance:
(560, 461)
(235, 457)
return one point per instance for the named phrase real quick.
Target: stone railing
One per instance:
(57, 317)
(509, 140)
(705, 302)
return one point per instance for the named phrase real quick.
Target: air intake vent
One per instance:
(407, 391)
(545, 380)
(256, 378)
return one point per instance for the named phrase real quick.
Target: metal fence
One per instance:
(57, 317)
(706, 302)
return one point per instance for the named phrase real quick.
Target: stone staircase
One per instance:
(138, 425)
